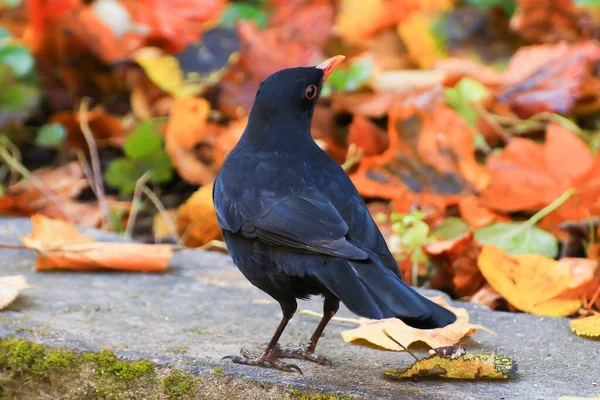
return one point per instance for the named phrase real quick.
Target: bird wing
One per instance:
(300, 220)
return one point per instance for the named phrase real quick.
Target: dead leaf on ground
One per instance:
(366, 135)
(551, 21)
(588, 326)
(197, 219)
(430, 156)
(477, 215)
(61, 246)
(370, 331)
(537, 284)
(529, 176)
(61, 185)
(457, 68)
(486, 296)
(468, 366)
(547, 77)
(10, 288)
(187, 129)
(160, 226)
(457, 259)
(105, 128)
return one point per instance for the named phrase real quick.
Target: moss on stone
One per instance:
(107, 362)
(297, 395)
(178, 385)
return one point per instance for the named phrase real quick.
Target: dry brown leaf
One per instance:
(551, 21)
(370, 331)
(537, 284)
(61, 246)
(106, 129)
(10, 288)
(457, 259)
(486, 296)
(366, 135)
(197, 219)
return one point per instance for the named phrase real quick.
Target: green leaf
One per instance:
(19, 97)
(122, 174)
(461, 97)
(451, 228)
(351, 79)
(241, 11)
(518, 238)
(161, 169)
(416, 235)
(509, 6)
(10, 3)
(143, 141)
(4, 34)
(18, 57)
(51, 135)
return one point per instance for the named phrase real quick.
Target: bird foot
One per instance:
(270, 357)
(303, 352)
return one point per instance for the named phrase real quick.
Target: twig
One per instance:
(218, 244)
(358, 153)
(98, 183)
(13, 247)
(537, 217)
(87, 171)
(399, 344)
(161, 209)
(338, 319)
(137, 194)
(17, 166)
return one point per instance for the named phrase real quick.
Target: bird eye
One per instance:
(311, 92)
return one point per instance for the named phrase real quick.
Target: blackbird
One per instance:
(296, 226)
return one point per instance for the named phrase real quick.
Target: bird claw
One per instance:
(302, 352)
(270, 357)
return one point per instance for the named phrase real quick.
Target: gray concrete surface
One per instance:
(203, 309)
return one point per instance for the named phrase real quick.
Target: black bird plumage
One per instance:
(296, 226)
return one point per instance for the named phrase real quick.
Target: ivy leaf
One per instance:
(144, 141)
(451, 228)
(18, 57)
(461, 97)
(241, 11)
(517, 238)
(51, 135)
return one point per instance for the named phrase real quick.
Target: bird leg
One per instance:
(270, 354)
(306, 351)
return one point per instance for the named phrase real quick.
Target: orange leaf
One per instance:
(476, 214)
(416, 34)
(366, 135)
(486, 296)
(534, 283)
(458, 261)
(187, 128)
(547, 77)
(527, 175)
(106, 128)
(551, 21)
(197, 219)
(430, 155)
(371, 331)
(61, 246)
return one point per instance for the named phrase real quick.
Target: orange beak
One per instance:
(329, 65)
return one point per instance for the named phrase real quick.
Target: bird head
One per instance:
(289, 96)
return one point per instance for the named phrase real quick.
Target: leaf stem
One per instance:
(537, 217)
(399, 344)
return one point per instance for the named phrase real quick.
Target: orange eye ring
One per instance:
(311, 92)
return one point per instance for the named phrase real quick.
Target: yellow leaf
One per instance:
(197, 219)
(588, 326)
(10, 288)
(415, 31)
(468, 366)
(534, 283)
(165, 72)
(370, 331)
